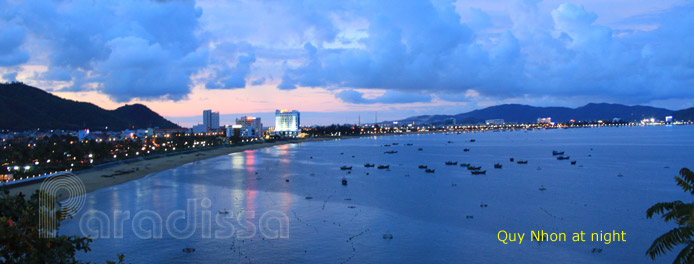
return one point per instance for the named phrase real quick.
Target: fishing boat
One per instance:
(451, 163)
(390, 152)
(472, 168)
(450, 141)
(383, 166)
(522, 162)
(369, 165)
(346, 168)
(542, 188)
(497, 166)
(188, 250)
(466, 150)
(573, 162)
(430, 170)
(562, 157)
(477, 172)
(408, 144)
(386, 145)
(344, 181)
(422, 166)
(420, 149)
(464, 164)
(620, 175)
(557, 153)
(511, 159)
(225, 212)
(472, 140)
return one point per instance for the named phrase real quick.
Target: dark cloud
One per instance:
(11, 40)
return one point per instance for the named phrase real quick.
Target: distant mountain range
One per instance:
(516, 113)
(23, 107)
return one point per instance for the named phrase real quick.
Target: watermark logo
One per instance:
(197, 219)
(66, 186)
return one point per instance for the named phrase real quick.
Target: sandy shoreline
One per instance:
(93, 179)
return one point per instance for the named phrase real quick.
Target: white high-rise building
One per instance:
(210, 120)
(287, 122)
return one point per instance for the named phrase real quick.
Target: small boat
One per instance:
(451, 163)
(225, 212)
(464, 164)
(573, 162)
(420, 149)
(346, 168)
(383, 166)
(344, 181)
(476, 172)
(430, 170)
(511, 159)
(450, 141)
(422, 166)
(557, 153)
(474, 168)
(620, 175)
(369, 165)
(386, 145)
(562, 157)
(497, 166)
(542, 188)
(390, 152)
(522, 162)
(395, 144)
(472, 140)
(188, 250)
(408, 144)
(308, 197)
(466, 150)
(387, 236)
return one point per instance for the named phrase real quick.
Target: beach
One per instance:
(97, 178)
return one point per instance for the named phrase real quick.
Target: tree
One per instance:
(683, 215)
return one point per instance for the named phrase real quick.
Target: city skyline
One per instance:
(344, 60)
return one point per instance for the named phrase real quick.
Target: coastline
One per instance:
(93, 178)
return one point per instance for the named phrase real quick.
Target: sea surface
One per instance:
(287, 204)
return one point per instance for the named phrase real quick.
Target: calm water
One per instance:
(426, 213)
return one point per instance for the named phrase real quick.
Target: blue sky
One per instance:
(399, 58)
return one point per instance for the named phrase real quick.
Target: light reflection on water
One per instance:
(426, 213)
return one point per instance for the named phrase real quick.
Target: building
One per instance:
(668, 119)
(449, 121)
(495, 122)
(544, 120)
(201, 128)
(287, 122)
(251, 126)
(210, 120)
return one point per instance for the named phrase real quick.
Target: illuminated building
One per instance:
(251, 126)
(544, 120)
(494, 122)
(287, 122)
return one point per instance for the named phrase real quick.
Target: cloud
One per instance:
(229, 76)
(10, 77)
(157, 50)
(389, 97)
(131, 49)
(11, 40)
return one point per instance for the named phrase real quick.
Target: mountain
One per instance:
(684, 114)
(23, 107)
(516, 113)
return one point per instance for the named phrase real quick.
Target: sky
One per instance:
(338, 61)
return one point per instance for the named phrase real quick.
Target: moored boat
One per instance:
(383, 166)
(497, 166)
(522, 162)
(369, 165)
(451, 163)
(346, 167)
(477, 172)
